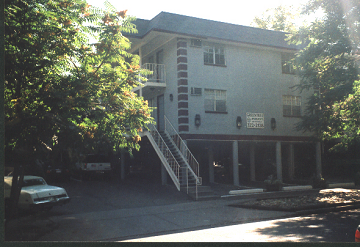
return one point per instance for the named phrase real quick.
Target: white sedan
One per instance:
(36, 193)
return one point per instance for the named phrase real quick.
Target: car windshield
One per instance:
(34, 181)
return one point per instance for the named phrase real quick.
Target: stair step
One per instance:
(204, 192)
(203, 197)
(201, 189)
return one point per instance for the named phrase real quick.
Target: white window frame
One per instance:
(213, 100)
(214, 55)
(292, 102)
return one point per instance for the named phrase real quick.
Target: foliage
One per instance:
(272, 180)
(63, 91)
(281, 18)
(329, 66)
(319, 183)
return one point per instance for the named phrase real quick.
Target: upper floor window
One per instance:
(214, 55)
(196, 43)
(291, 106)
(287, 67)
(215, 100)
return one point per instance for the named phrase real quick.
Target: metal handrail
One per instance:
(158, 70)
(172, 162)
(190, 159)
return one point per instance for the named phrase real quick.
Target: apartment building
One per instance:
(227, 92)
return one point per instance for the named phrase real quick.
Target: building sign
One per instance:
(255, 120)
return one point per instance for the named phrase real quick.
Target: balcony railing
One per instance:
(158, 72)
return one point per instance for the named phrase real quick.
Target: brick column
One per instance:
(182, 88)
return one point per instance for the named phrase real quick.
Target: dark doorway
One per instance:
(160, 113)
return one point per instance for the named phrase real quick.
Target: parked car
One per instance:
(94, 164)
(36, 194)
(57, 172)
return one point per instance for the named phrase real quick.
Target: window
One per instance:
(291, 106)
(196, 42)
(195, 91)
(286, 65)
(32, 182)
(214, 55)
(215, 100)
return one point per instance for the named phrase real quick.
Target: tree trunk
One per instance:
(17, 181)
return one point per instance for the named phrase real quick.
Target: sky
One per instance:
(231, 11)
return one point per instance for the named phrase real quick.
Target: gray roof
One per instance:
(202, 28)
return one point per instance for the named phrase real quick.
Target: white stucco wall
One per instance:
(253, 81)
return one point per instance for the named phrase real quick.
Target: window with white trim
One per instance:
(215, 100)
(214, 55)
(291, 106)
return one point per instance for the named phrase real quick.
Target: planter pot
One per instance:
(273, 187)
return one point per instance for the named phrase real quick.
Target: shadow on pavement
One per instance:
(329, 227)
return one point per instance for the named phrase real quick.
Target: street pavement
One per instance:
(142, 212)
(332, 227)
(123, 224)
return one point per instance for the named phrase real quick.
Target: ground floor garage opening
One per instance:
(235, 162)
(291, 162)
(143, 165)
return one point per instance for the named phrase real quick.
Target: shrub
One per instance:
(319, 183)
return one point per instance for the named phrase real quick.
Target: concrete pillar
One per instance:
(211, 165)
(318, 160)
(122, 164)
(163, 175)
(236, 163)
(252, 161)
(291, 161)
(278, 161)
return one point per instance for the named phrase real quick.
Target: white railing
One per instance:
(158, 72)
(184, 150)
(165, 155)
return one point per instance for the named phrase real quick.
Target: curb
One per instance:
(306, 209)
(327, 209)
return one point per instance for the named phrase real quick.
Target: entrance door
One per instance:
(160, 113)
(159, 57)
(159, 60)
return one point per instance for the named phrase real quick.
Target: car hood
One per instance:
(43, 190)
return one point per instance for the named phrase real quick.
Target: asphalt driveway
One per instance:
(101, 195)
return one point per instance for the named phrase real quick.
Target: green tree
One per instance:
(61, 90)
(329, 66)
(281, 18)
